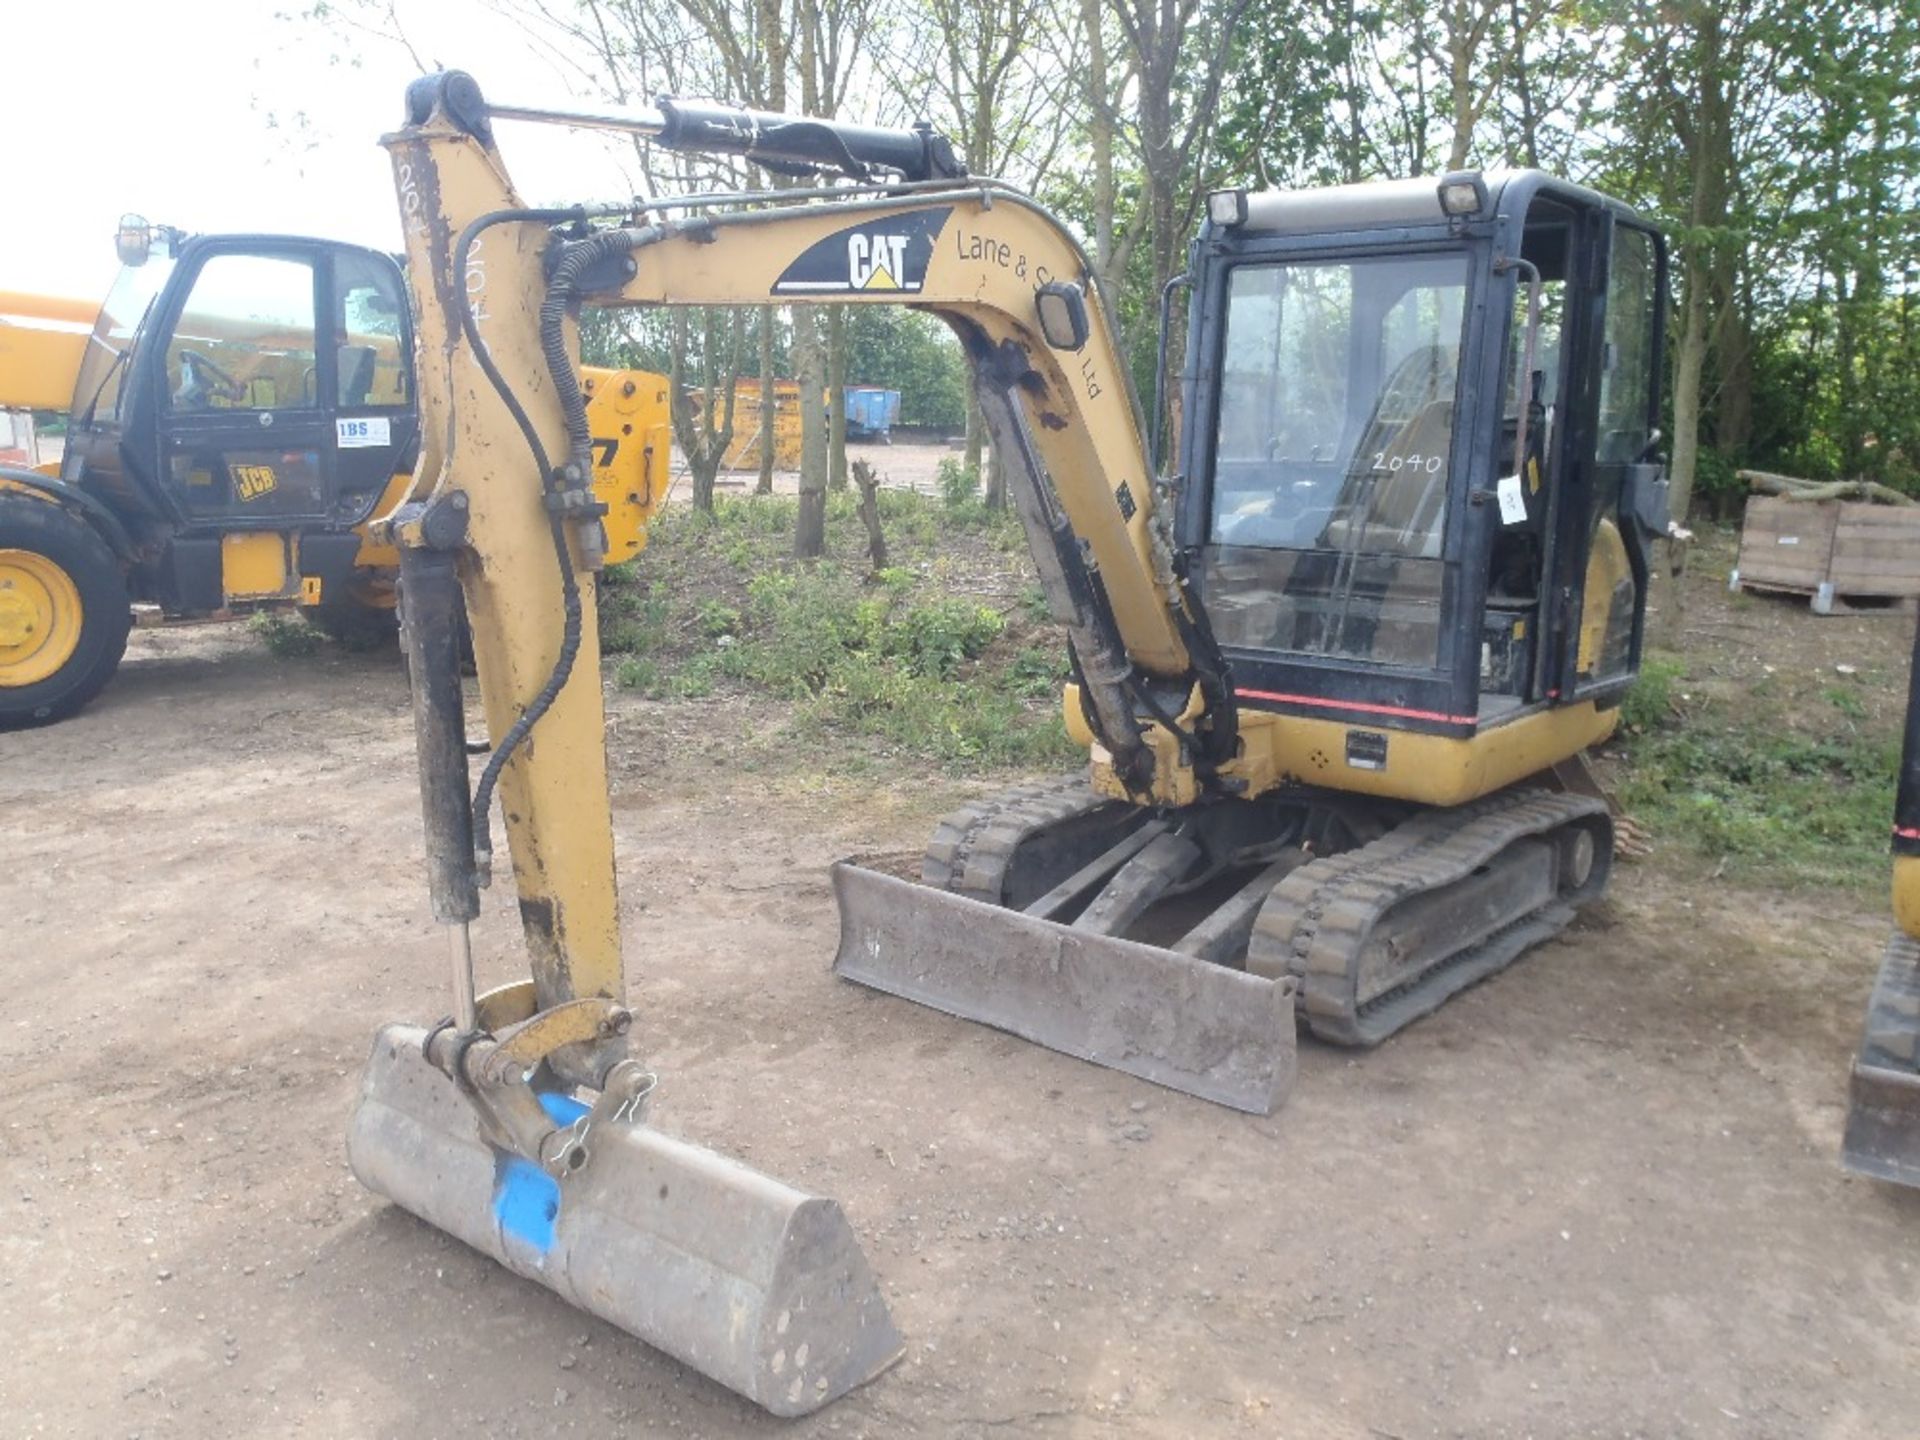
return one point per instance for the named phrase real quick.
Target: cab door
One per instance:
(369, 349)
(1620, 506)
(246, 436)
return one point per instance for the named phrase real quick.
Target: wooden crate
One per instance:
(1836, 551)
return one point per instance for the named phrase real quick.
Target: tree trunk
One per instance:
(976, 431)
(704, 436)
(1733, 363)
(836, 397)
(810, 370)
(868, 485)
(1708, 164)
(1460, 50)
(1100, 142)
(996, 481)
(764, 485)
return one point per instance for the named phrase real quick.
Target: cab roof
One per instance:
(1400, 203)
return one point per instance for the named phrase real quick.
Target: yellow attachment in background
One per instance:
(632, 428)
(631, 425)
(253, 565)
(744, 452)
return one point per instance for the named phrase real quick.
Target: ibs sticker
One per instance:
(881, 256)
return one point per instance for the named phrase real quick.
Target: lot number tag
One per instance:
(366, 431)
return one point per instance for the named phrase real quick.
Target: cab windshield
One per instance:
(96, 390)
(1332, 455)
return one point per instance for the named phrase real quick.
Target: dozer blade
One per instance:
(1883, 1120)
(744, 1279)
(1189, 1025)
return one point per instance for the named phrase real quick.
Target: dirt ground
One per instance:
(1596, 1196)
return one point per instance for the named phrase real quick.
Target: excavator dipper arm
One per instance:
(518, 1124)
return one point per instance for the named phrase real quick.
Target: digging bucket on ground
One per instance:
(755, 1284)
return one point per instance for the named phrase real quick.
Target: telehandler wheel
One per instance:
(64, 613)
(358, 620)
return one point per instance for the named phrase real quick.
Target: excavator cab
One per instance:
(1418, 483)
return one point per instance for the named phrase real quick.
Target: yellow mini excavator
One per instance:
(1334, 663)
(1883, 1120)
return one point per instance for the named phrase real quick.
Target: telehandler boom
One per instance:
(1334, 666)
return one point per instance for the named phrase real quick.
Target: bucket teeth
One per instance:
(755, 1284)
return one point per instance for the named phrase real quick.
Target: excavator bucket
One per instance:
(1883, 1120)
(1185, 1023)
(753, 1283)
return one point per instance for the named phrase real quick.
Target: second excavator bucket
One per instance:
(1184, 1023)
(1883, 1116)
(745, 1279)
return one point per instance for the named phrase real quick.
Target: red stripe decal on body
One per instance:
(1361, 706)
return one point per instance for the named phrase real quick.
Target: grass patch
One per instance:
(286, 635)
(1760, 800)
(942, 655)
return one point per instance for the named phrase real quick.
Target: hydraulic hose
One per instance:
(557, 678)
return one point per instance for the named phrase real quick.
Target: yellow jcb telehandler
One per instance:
(236, 410)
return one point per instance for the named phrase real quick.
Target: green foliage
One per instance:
(286, 635)
(1038, 673)
(895, 657)
(877, 662)
(959, 484)
(1649, 704)
(1768, 804)
(717, 618)
(631, 623)
(1846, 701)
(636, 672)
(936, 637)
(1717, 487)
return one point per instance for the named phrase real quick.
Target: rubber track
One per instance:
(1317, 921)
(973, 846)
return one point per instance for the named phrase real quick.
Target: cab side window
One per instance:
(368, 332)
(245, 340)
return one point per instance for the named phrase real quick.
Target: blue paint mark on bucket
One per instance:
(561, 1109)
(526, 1200)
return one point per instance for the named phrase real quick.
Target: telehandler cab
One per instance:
(1333, 666)
(237, 409)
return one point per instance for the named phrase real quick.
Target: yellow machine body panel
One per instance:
(1906, 894)
(42, 338)
(253, 564)
(1279, 751)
